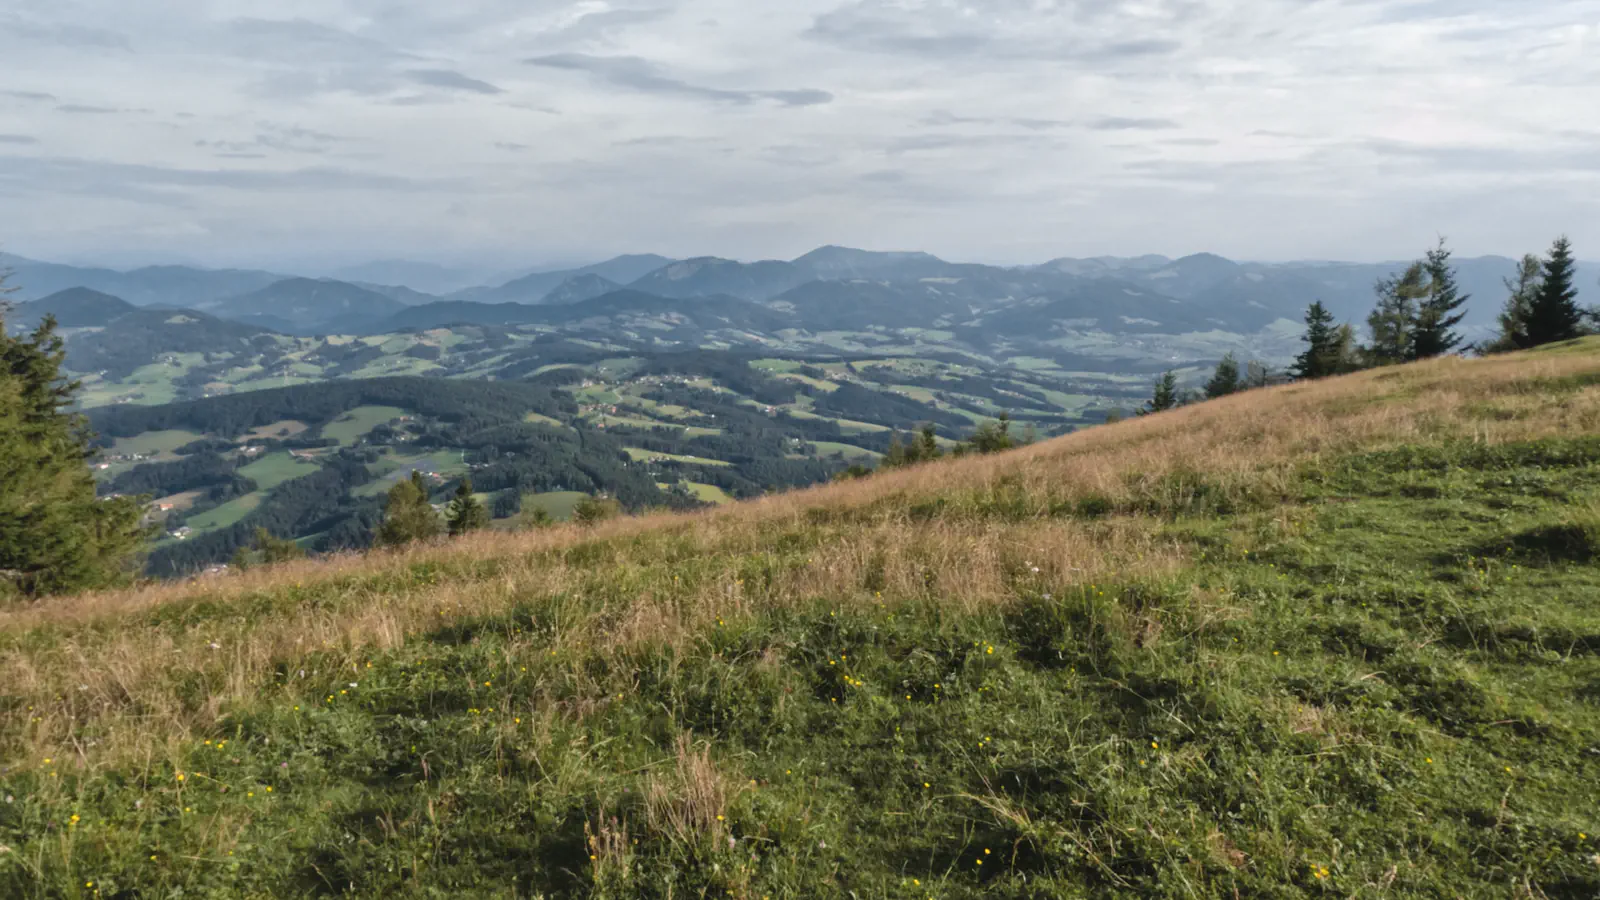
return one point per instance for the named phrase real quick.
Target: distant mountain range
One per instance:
(828, 289)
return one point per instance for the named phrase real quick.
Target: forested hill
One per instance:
(313, 463)
(463, 404)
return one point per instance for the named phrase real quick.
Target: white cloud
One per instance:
(1007, 130)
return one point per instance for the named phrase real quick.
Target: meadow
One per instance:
(1331, 639)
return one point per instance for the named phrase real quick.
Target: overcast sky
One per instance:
(308, 132)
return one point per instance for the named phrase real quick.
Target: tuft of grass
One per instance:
(1334, 639)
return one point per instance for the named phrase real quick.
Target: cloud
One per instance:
(455, 81)
(605, 23)
(69, 35)
(763, 129)
(640, 75)
(1005, 29)
(300, 41)
(271, 136)
(941, 117)
(17, 139)
(87, 172)
(1123, 123)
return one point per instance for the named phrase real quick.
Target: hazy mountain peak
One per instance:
(77, 307)
(579, 288)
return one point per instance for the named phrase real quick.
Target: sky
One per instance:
(513, 132)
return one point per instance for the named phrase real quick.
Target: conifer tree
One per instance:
(266, 549)
(1553, 315)
(897, 455)
(1165, 396)
(1328, 347)
(55, 534)
(1393, 321)
(1521, 292)
(534, 518)
(1438, 311)
(594, 510)
(409, 516)
(1225, 380)
(466, 513)
(990, 437)
(920, 447)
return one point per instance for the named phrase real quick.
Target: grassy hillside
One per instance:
(1337, 639)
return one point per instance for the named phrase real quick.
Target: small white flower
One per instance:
(215, 646)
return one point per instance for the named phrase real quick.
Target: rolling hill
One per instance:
(179, 286)
(310, 306)
(1328, 639)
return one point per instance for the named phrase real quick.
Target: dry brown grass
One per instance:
(690, 803)
(109, 666)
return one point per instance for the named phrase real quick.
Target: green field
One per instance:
(276, 468)
(558, 504)
(226, 514)
(849, 451)
(641, 455)
(280, 429)
(708, 493)
(152, 443)
(391, 468)
(355, 424)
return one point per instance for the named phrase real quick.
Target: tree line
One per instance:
(56, 534)
(1416, 317)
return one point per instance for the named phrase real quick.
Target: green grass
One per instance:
(227, 514)
(275, 468)
(850, 451)
(1373, 690)
(558, 504)
(391, 468)
(356, 423)
(152, 443)
(638, 454)
(708, 493)
(276, 430)
(1365, 673)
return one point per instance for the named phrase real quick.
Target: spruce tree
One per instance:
(1554, 314)
(594, 510)
(265, 549)
(1164, 397)
(990, 437)
(1438, 312)
(55, 534)
(1323, 340)
(1521, 293)
(1225, 380)
(466, 513)
(409, 516)
(897, 455)
(1393, 321)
